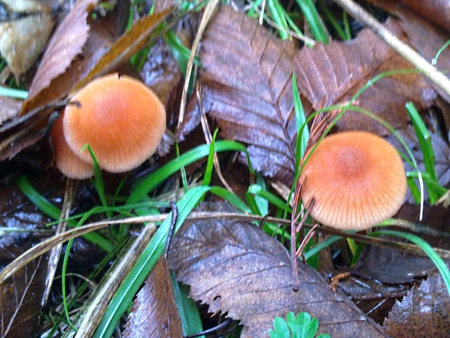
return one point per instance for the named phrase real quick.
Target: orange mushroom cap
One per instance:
(120, 118)
(357, 180)
(67, 162)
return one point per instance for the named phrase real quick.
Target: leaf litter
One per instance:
(260, 88)
(267, 57)
(239, 270)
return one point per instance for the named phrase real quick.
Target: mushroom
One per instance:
(120, 118)
(356, 178)
(67, 162)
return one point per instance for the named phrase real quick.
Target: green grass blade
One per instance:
(426, 146)
(230, 197)
(49, 209)
(257, 190)
(313, 19)
(210, 163)
(131, 284)
(300, 120)
(188, 310)
(437, 260)
(14, 93)
(153, 180)
(278, 17)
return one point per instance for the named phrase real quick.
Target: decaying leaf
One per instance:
(9, 108)
(20, 300)
(247, 86)
(422, 35)
(423, 312)
(24, 33)
(334, 73)
(238, 269)
(154, 312)
(65, 44)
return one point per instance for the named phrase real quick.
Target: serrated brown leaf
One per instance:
(24, 33)
(422, 35)
(246, 79)
(154, 312)
(424, 312)
(238, 269)
(65, 44)
(20, 300)
(247, 86)
(334, 73)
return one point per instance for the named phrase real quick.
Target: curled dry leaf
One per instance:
(65, 44)
(238, 269)
(154, 312)
(24, 33)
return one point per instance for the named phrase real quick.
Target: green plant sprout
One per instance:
(302, 326)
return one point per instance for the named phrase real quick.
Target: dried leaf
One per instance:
(247, 86)
(334, 73)
(423, 312)
(238, 269)
(20, 300)
(65, 44)
(437, 11)
(9, 108)
(422, 35)
(394, 266)
(246, 78)
(154, 312)
(24, 33)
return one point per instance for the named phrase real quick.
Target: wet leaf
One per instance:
(247, 86)
(422, 35)
(154, 312)
(436, 11)
(238, 269)
(20, 300)
(423, 312)
(246, 78)
(23, 33)
(9, 108)
(334, 73)
(394, 266)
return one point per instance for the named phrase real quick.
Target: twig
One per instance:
(409, 54)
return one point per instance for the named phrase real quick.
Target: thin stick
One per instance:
(392, 41)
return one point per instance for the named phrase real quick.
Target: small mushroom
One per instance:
(120, 118)
(67, 162)
(357, 180)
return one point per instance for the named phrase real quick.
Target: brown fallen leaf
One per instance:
(336, 72)
(20, 300)
(437, 11)
(65, 44)
(24, 33)
(422, 35)
(423, 312)
(247, 86)
(238, 269)
(394, 266)
(154, 312)
(9, 108)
